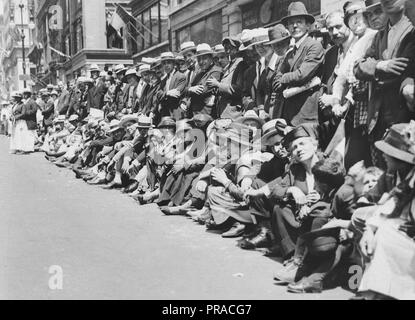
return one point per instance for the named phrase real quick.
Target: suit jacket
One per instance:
(299, 67)
(48, 113)
(199, 102)
(330, 62)
(178, 82)
(98, 94)
(28, 113)
(386, 100)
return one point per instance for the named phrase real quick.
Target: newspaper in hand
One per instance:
(291, 92)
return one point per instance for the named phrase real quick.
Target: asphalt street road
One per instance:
(108, 247)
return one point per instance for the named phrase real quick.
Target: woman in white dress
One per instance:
(22, 139)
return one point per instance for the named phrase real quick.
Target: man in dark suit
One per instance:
(200, 99)
(303, 63)
(174, 86)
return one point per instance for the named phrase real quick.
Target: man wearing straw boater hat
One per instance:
(173, 87)
(302, 64)
(188, 51)
(201, 99)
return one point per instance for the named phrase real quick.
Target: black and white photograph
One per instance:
(207, 150)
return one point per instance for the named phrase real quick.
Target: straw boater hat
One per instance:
(94, 68)
(187, 46)
(278, 34)
(128, 120)
(180, 58)
(250, 115)
(16, 94)
(73, 118)
(131, 72)
(120, 68)
(144, 122)
(274, 131)
(204, 49)
(114, 126)
(399, 142)
(372, 4)
(149, 61)
(246, 39)
(167, 56)
(59, 119)
(143, 68)
(219, 49)
(296, 10)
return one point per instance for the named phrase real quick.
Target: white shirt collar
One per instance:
(300, 42)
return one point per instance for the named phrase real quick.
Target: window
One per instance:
(152, 25)
(207, 30)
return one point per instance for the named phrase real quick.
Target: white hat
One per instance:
(204, 49)
(246, 39)
(119, 68)
(219, 49)
(143, 68)
(187, 46)
(131, 72)
(259, 36)
(60, 118)
(148, 60)
(165, 56)
(54, 93)
(94, 68)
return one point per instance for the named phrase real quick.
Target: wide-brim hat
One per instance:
(120, 68)
(259, 36)
(128, 119)
(94, 68)
(251, 115)
(399, 142)
(144, 68)
(219, 49)
(296, 10)
(278, 34)
(167, 122)
(273, 132)
(372, 4)
(204, 49)
(114, 126)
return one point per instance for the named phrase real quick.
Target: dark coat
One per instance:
(28, 113)
(48, 114)
(328, 76)
(300, 67)
(198, 102)
(386, 104)
(177, 82)
(98, 94)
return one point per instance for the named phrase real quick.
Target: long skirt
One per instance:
(22, 139)
(392, 270)
(223, 206)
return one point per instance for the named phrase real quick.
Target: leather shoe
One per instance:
(287, 275)
(305, 286)
(173, 211)
(112, 185)
(132, 187)
(262, 240)
(236, 231)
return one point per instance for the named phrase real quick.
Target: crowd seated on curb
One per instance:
(296, 142)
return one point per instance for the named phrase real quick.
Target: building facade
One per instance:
(18, 19)
(72, 35)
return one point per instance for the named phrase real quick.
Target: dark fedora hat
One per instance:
(278, 33)
(306, 130)
(399, 142)
(296, 10)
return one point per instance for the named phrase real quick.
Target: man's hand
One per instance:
(219, 175)
(396, 66)
(339, 110)
(125, 166)
(331, 224)
(174, 93)
(367, 244)
(408, 93)
(298, 196)
(212, 83)
(313, 197)
(198, 90)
